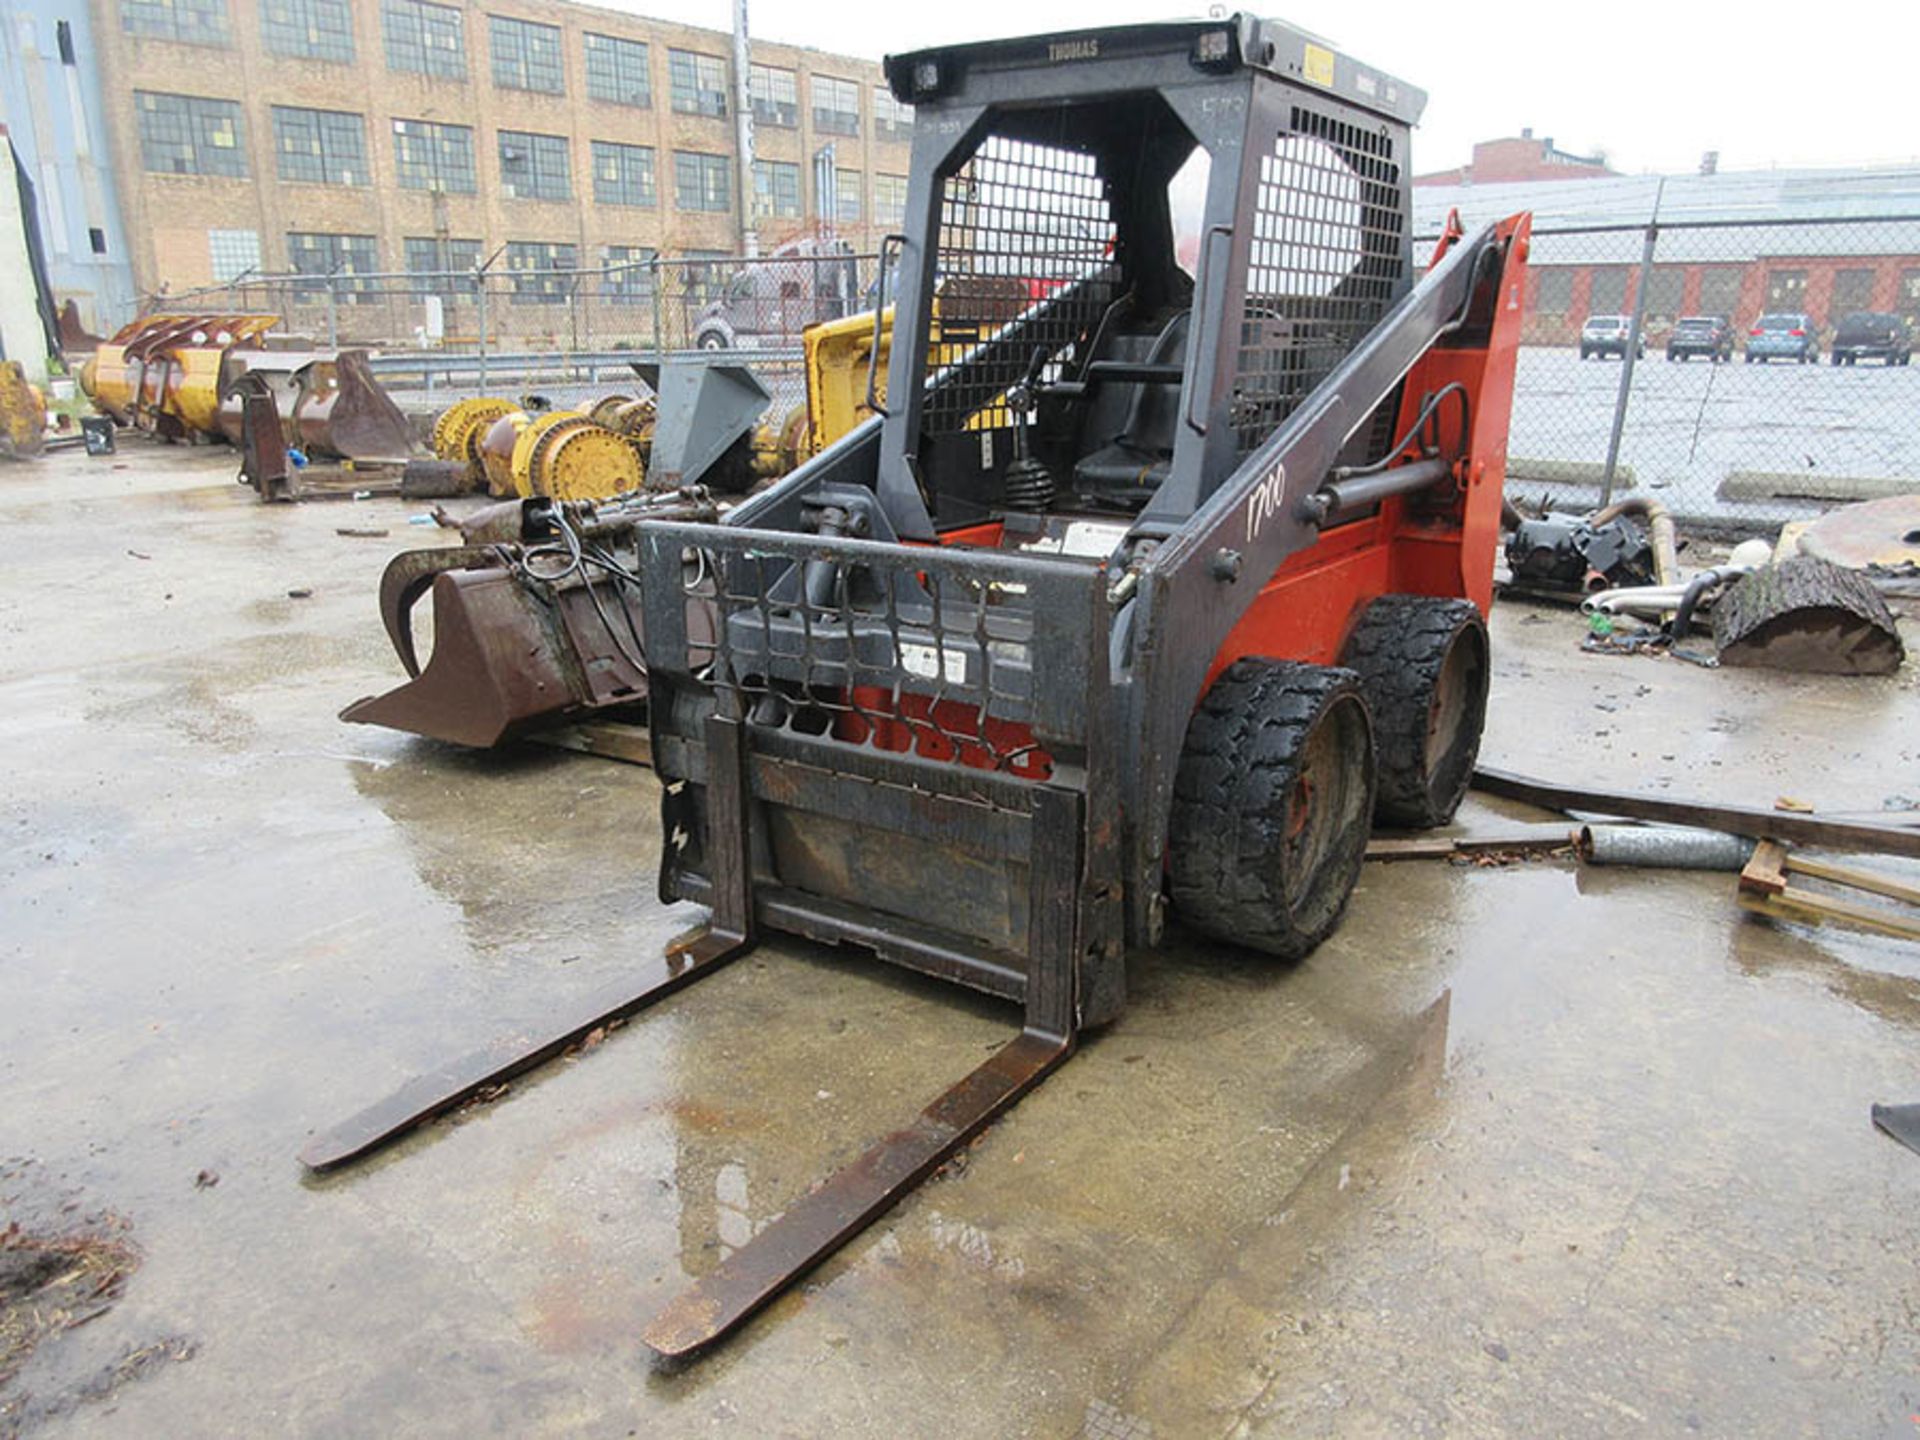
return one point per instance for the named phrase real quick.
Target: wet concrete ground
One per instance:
(1532, 1151)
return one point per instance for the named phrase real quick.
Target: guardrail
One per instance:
(433, 370)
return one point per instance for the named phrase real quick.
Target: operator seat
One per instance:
(1130, 426)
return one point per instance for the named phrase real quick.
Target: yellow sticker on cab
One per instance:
(1318, 65)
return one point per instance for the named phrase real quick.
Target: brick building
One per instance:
(1518, 158)
(362, 136)
(1827, 243)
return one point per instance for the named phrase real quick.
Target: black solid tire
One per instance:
(1424, 662)
(1271, 805)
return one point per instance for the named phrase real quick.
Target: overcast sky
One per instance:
(1653, 82)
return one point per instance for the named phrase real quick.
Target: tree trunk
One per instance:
(1805, 614)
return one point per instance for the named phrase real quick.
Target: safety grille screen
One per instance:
(1025, 231)
(935, 654)
(1328, 260)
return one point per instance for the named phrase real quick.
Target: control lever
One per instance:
(1029, 483)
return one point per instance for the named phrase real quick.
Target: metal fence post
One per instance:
(1633, 349)
(333, 314)
(480, 318)
(653, 269)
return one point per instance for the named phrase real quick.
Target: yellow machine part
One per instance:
(106, 382)
(193, 388)
(190, 367)
(521, 470)
(496, 447)
(838, 354)
(463, 425)
(23, 413)
(606, 409)
(584, 462)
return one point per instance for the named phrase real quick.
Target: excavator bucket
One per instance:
(343, 411)
(513, 651)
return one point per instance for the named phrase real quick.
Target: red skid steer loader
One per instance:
(1151, 588)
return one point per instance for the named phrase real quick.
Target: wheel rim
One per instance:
(1456, 699)
(1326, 809)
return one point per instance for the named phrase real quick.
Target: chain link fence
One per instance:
(1744, 373)
(527, 323)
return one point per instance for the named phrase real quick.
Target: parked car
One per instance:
(1708, 335)
(1872, 335)
(1789, 335)
(1604, 335)
(771, 301)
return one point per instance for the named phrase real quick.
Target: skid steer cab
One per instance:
(1158, 577)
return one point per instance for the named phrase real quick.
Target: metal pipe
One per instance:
(1635, 599)
(743, 130)
(1338, 497)
(1664, 847)
(1635, 331)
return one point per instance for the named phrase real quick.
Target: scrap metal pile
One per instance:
(283, 401)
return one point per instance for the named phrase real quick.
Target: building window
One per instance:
(535, 167)
(776, 189)
(846, 196)
(1910, 295)
(186, 135)
(445, 267)
(1720, 289)
(705, 274)
(1552, 290)
(702, 182)
(836, 106)
(1608, 293)
(619, 71)
(348, 258)
(424, 39)
(1664, 287)
(63, 38)
(532, 267)
(96, 240)
(629, 272)
(698, 82)
(428, 155)
(775, 94)
(1786, 290)
(233, 253)
(623, 174)
(320, 147)
(191, 22)
(1852, 293)
(526, 55)
(890, 200)
(892, 119)
(308, 29)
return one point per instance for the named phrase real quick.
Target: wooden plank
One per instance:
(1854, 879)
(1831, 907)
(1765, 873)
(1527, 839)
(609, 739)
(1733, 819)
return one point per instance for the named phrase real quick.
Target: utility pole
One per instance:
(743, 128)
